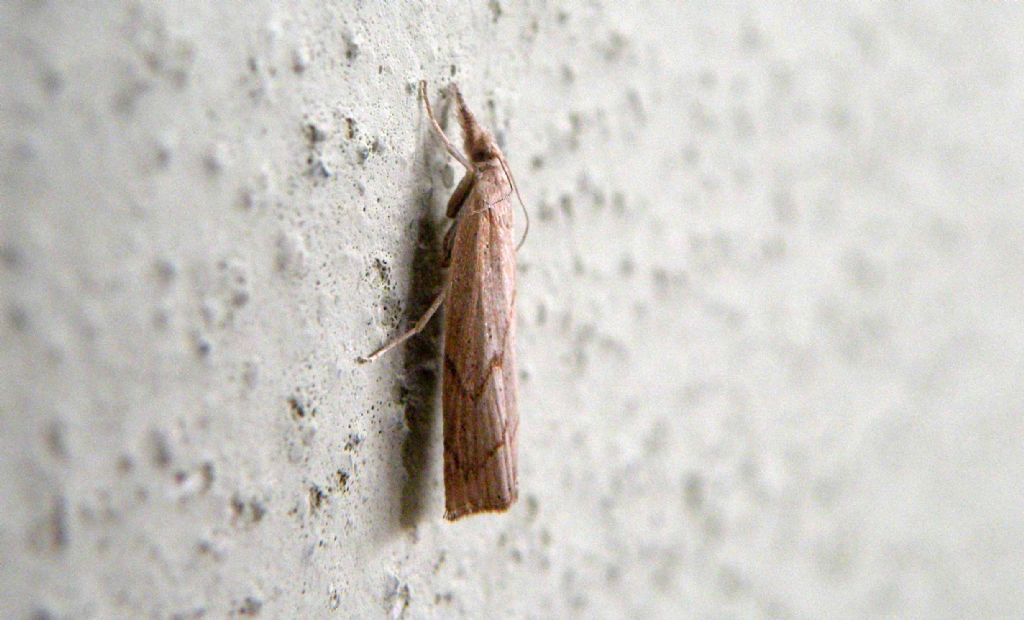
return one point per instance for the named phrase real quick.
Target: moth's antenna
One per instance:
(440, 132)
(512, 181)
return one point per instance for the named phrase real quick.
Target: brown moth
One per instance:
(479, 385)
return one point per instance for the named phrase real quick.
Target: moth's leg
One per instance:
(437, 129)
(455, 203)
(417, 328)
(449, 244)
(460, 194)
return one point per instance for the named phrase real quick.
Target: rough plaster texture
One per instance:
(770, 309)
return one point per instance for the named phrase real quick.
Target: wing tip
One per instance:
(470, 509)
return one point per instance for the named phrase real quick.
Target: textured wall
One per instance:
(771, 314)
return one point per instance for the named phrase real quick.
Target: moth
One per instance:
(479, 382)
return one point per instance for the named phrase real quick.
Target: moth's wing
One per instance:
(480, 383)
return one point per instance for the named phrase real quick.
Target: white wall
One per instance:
(770, 310)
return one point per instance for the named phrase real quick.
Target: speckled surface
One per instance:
(770, 310)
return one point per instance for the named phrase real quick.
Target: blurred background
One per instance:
(770, 309)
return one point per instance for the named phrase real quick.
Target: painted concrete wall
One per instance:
(770, 309)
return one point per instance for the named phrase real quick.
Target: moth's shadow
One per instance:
(420, 378)
(422, 353)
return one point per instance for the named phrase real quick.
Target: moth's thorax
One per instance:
(493, 185)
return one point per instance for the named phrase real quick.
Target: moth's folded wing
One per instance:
(480, 383)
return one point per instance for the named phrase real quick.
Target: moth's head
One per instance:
(482, 147)
(478, 143)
